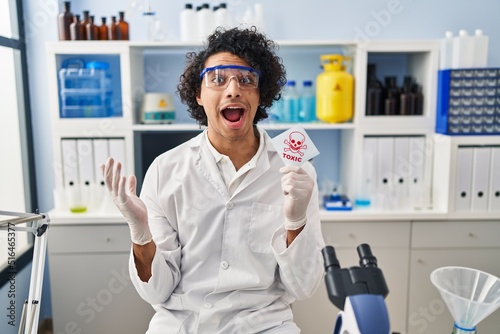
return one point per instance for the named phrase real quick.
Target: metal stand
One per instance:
(39, 225)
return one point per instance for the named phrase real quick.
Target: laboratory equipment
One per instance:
(336, 201)
(374, 92)
(122, 31)
(358, 292)
(92, 29)
(470, 295)
(334, 90)
(188, 24)
(39, 223)
(291, 106)
(85, 89)
(157, 108)
(64, 19)
(150, 20)
(76, 29)
(307, 100)
(103, 30)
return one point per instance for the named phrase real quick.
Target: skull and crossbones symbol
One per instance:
(295, 143)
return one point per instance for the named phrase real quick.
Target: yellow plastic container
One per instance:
(334, 90)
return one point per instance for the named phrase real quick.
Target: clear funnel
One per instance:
(471, 295)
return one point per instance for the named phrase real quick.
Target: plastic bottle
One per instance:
(113, 27)
(123, 28)
(205, 22)
(480, 58)
(463, 50)
(189, 24)
(307, 111)
(374, 93)
(92, 29)
(76, 29)
(275, 112)
(103, 30)
(258, 19)
(291, 106)
(446, 52)
(222, 16)
(65, 18)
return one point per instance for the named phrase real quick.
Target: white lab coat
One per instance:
(221, 263)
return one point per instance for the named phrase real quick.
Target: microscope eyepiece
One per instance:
(330, 257)
(366, 258)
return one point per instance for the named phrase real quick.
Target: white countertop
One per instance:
(58, 217)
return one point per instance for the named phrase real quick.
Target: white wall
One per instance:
(284, 19)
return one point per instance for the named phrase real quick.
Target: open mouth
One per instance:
(233, 114)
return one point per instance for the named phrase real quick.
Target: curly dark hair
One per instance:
(248, 44)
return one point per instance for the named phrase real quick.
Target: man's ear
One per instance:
(198, 98)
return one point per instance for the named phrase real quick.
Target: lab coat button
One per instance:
(224, 265)
(207, 305)
(230, 205)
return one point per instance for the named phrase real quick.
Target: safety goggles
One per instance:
(218, 77)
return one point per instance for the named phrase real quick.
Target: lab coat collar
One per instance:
(207, 166)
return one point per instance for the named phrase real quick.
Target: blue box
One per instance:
(468, 101)
(336, 202)
(86, 92)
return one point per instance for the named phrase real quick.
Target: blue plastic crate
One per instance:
(86, 92)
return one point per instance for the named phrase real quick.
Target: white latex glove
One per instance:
(132, 208)
(297, 187)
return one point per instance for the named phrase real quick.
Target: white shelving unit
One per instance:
(155, 66)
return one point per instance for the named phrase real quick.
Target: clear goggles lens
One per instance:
(219, 76)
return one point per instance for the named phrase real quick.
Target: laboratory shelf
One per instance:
(380, 215)
(265, 126)
(61, 217)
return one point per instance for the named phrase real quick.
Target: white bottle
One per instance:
(248, 18)
(222, 16)
(205, 22)
(463, 50)
(480, 49)
(446, 52)
(188, 24)
(258, 19)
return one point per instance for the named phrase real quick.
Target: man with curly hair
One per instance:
(225, 236)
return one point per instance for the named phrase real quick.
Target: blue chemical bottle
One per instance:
(307, 103)
(290, 111)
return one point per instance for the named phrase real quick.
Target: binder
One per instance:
(70, 162)
(117, 152)
(367, 172)
(401, 169)
(480, 178)
(416, 161)
(494, 191)
(463, 180)
(385, 174)
(101, 154)
(85, 161)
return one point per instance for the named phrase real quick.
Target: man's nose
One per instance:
(233, 86)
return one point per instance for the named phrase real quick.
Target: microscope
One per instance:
(359, 293)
